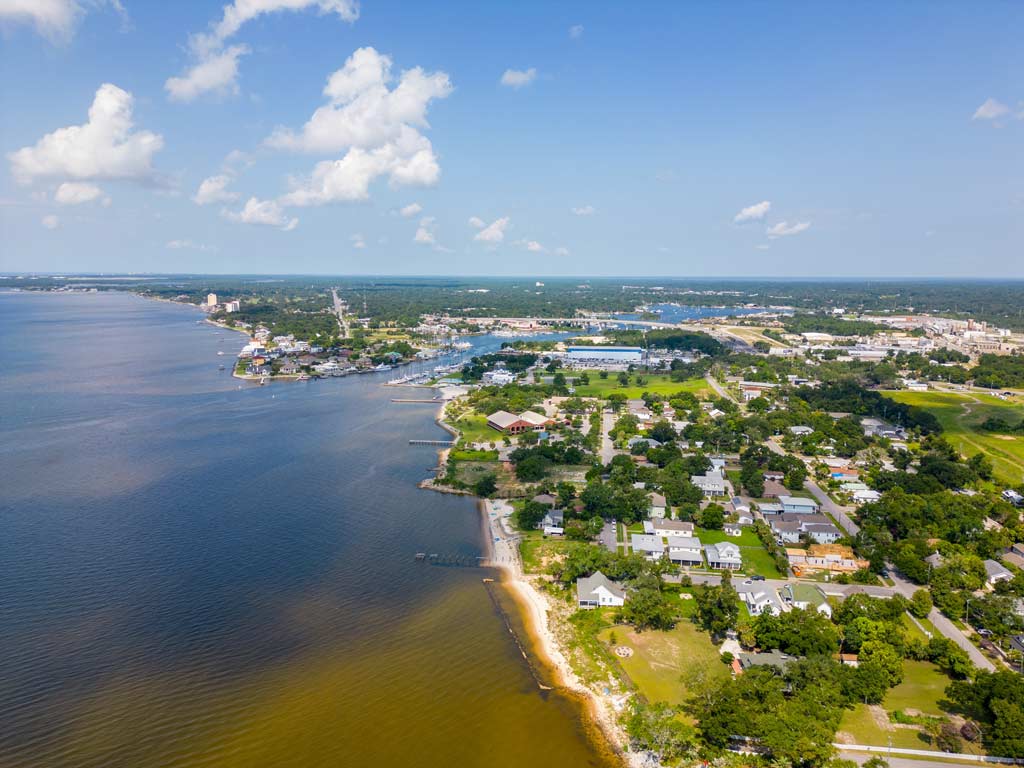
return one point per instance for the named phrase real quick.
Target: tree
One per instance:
(657, 728)
(1006, 738)
(486, 486)
(886, 657)
(566, 493)
(531, 514)
(718, 608)
(921, 604)
(532, 468)
(648, 608)
(712, 517)
(663, 432)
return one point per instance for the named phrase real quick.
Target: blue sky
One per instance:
(860, 139)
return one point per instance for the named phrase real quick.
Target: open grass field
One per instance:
(658, 383)
(921, 692)
(475, 430)
(961, 413)
(662, 661)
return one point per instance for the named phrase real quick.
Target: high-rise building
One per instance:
(211, 299)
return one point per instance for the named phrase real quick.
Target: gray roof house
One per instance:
(684, 550)
(798, 504)
(598, 591)
(996, 572)
(647, 545)
(723, 556)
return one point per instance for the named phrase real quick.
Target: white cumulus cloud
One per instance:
(784, 229)
(50, 221)
(493, 232)
(105, 147)
(215, 67)
(754, 212)
(214, 190)
(991, 110)
(576, 31)
(216, 72)
(584, 210)
(411, 210)
(268, 212)
(534, 247)
(476, 222)
(358, 241)
(561, 251)
(54, 19)
(378, 127)
(76, 193)
(517, 78)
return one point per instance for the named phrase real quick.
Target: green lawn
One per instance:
(922, 689)
(537, 550)
(657, 383)
(661, 661)
(756, 560)
(746, 539)
(474, 429)
(961, 414)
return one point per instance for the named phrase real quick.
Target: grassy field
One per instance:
(537, 551)
(662, 661)
(475, 430)
(921, 692)
(961, 413)
(658, 383)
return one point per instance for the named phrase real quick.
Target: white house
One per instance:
(658, 506)
(762, 601)
(732, 529)
(723, 556)
(801, 430)
(996, 572)
(598, 591)
(647, 545)
(866, 496)
(664, 527)
(684, 550)
(798, 505)
(711, 483)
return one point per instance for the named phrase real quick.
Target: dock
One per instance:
(432, 442)
(414, 400)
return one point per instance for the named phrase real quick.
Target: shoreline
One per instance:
(534, 606)
(501, 550)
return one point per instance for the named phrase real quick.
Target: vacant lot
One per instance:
(657, 383)
(961, 414)
(663, 661)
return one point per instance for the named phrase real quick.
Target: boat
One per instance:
(303, 377)
(221, 352)
(221, 367)
(382, 367)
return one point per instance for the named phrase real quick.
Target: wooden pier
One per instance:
(432, 442)
(415, 400)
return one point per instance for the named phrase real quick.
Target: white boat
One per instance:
(221, 352)
(382, 367)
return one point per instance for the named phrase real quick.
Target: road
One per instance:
(944, 625)
(895, 761)
(837, 512)
(339, 310)
(719, 389)
(607, 446)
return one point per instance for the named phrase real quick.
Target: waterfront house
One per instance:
(685, 550)
(598, 591)
(723, 556)
(511, 424)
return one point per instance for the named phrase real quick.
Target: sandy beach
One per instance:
(503, 553)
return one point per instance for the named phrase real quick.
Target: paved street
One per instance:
(607, 447)
(837, 512)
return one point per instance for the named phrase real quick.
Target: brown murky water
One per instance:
(193, 574)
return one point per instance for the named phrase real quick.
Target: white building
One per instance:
(762, 601)
(647, 545)
(723, 556)
(711, 483)
(604, 354)
(598, 591)
(211, 299)
(230, 306)
(685, 550)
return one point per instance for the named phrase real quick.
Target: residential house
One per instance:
(732, 529)
(805, 597)
(762, 601)
(824, 557)
(996, 572)
(866, 496)
(659, 507)
(663, 527)
(801, 431)
(647, 545)
(723, 556)
(798, 505)
(685, 550)
(771, 509)
(711, 483)
(776, 659)
(546, 499)
(598, 591)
